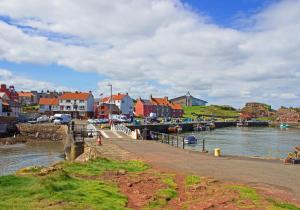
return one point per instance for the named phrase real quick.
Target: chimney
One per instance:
(119, 94)
(166, 98)
(150, 96)
(3, 87)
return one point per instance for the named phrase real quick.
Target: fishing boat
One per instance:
(175, 129)
(190, 140)
(284, 125)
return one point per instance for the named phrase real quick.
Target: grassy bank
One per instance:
(215, 110)
(72, 186)
(107, 184)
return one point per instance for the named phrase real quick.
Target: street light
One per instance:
(110, 100)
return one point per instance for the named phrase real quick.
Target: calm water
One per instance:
(260, 142)
(14, 157)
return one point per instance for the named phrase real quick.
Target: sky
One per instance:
(225, 52)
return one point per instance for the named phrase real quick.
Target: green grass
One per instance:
(63, 189)
(98, 166)
(162, 197)
(246, 193)
(209, 110)
(281, 206)
(170, 182)
(192, 180)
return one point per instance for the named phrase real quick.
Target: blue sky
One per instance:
(198, 46)
(222, 13)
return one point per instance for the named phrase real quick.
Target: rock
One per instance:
(121, 172)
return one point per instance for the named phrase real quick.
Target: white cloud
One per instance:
(24, 83)
(161, 46)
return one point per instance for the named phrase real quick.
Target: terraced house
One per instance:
(162, 107)
(123, 101)
(78, 104)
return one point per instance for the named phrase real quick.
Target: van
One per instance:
(61, 118)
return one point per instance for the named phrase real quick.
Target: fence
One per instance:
(173, 140)
(120, 127)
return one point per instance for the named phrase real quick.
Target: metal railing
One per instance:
(173, 140)
(122, 128)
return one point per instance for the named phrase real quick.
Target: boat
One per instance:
(190, 140)
(175, 129)
(284, 125)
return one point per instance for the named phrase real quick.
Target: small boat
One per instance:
(284, 125)
(190, 140)
(175, 129)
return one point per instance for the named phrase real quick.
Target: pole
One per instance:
(203, 145)
(110, 101)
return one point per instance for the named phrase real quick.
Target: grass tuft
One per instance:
(192, 180)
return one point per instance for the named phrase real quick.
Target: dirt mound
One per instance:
(139, 188)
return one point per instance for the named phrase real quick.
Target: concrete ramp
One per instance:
(109, 134)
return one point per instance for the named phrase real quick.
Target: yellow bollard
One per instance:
(217, 152)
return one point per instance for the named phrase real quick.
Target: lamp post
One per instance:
(110, 101)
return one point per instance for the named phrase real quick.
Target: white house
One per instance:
(77, 104)
(123, 101)
(12, 108)
(48, 105)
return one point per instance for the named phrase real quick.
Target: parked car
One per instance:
(62, 118)
(42, 119)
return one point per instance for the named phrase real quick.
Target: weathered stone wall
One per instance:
(43, 131)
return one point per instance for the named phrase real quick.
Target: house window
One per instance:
(68, 107)
(81, 101)
(81, 107)
(123, 102)
(68, 101)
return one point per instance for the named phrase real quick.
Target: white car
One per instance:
(42, 119)
(58, 121)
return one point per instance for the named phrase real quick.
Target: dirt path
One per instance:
(269, 176)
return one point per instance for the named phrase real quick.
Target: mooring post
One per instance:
(203, 145)
(183, 142)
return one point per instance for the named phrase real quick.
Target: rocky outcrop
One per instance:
(288, 115)
(256, 110)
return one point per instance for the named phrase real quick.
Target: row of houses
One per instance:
(84, 105)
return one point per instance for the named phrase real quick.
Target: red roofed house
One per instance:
(144, 107)
(13, 108)
(27, 98)
(78, 104)
(123, 101)
(162, 107)
(48, 105)
(10, 92)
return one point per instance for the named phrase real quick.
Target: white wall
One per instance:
(126, 105)
(87, 104)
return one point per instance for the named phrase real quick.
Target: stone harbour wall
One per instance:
(41, 132)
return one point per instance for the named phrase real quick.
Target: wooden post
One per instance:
(203, 145)
(183, 142)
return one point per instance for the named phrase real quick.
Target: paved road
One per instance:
(245, 170)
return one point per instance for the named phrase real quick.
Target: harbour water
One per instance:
(246, 141)
(14, 157)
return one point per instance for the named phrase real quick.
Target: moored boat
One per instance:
(284, 125)
(190, 140)
(175, 129)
